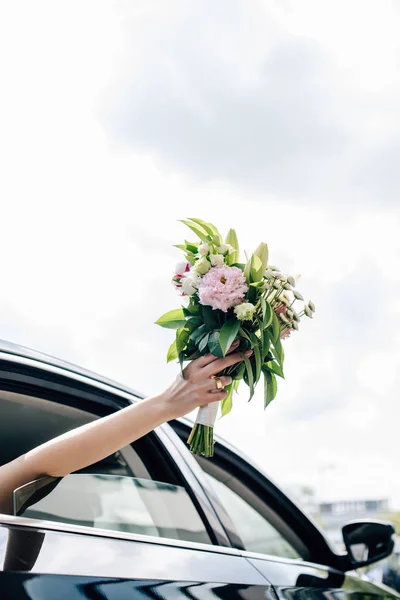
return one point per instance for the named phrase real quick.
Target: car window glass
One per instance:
(120, 503)
(256, 532)
(141, 475)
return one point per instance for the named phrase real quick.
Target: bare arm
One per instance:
(94, 441)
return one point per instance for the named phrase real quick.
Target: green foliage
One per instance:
(232, 240)
(270, 387)
(228, 334)
(174, 319)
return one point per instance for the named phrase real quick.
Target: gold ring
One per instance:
(218, 382)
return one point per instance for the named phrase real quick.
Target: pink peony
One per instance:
(222, 287)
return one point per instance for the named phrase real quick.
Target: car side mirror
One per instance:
(368, 541)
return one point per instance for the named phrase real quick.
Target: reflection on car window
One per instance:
(257, 534)
(127, 504)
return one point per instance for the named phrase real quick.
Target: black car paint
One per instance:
(40, 561)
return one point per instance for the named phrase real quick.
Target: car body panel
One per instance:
(40, 560)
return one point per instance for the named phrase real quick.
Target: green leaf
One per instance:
(194, 355)
(262, 253)
(208, 227)
(174, 319)
(203, 342)
(256, 268)
(266, 343)
(210, 317)
(237, 374)
(198, 333)
(181, 357)
(267, 312)
(193, 322)
(278, 351)
(250, 378)
(228, 334)
(257, 356)
(270, 387)
(182, 338)
(172, 353)
(246, 271)
(244, 334)
(180, 247)
(226, 404)
(273, 367)
(192, 247)
(199, 231)
(232, 239)
(240, 266)
(214, 345)
(192, 309)
(276, 328)
(257, 284)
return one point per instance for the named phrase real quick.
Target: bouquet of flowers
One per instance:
(227, 300)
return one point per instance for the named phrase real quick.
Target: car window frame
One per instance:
(31, 377)
(318, 548)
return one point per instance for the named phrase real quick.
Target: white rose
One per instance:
(217, 260)
(202, 266)
(188, 287)
(225, 248)
(181, 267)
(203, 249)
(193, 276)
(244, 311)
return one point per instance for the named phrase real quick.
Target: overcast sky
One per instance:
(277, 118)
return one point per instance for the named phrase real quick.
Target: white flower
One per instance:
(284, 318)
(217, 260)
(244, 311)
(297, 295)
(288, 287)
(295, 326)
(181, 267)
(203, 249)
(308, 312)
(311, 306)
(225, 249)
(296, 316)
(193, 276)
(291, 281)
(201, 266)
(284, 298)
(188, 287)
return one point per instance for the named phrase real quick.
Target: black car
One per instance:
(151, 521)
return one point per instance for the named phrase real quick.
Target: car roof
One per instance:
(40, 357)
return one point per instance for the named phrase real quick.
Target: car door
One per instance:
(277, 539)
(137, 525)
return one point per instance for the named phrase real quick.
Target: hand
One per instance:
(196, 387)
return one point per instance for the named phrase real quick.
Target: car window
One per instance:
(119, 503)
(255, 530)
(137, 489)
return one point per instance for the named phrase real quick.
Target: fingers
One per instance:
(220, 364)
(224, 379)
(214, 397)
(205, 360)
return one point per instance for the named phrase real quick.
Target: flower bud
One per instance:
(308, 312)
(297, 295)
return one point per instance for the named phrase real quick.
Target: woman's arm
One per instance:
(94, 441)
